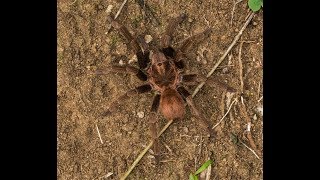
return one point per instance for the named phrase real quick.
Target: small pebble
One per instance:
(121, 62)
(225, 70)
(260, 110)
(109, 8)
(185, 130)
(255, 117)
(148, 38)
(140, 114)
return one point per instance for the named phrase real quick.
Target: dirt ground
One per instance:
(84, 46)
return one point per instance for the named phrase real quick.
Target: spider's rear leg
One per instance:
(138, 45)
(188, 43)
(203, 121)
(132, 92)
(193, 79)
(153, 125)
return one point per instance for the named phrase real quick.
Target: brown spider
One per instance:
(162, 70)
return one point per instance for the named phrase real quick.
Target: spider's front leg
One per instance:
(188, 43)
(135, 43)
(166, 39)
(123, 69)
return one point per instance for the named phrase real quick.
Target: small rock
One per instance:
(133, 59)
(225, 70)
(109, 8)
(255, 23)
(185, 130)
(148, 38)
(175, 129)
(260, 110)
(255, 117)
(140, 114)
(121, 62)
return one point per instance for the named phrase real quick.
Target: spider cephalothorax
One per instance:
(161, 70)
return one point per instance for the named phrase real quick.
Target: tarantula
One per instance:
(162, 70)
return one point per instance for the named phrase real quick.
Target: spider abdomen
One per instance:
(171, 104)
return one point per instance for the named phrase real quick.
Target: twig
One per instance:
(240, 68)
(250, 150)
(120, 9)
(168, 148)
(236, 38)
(224, 114)
(260, 99)
(233, 8)
(115, 17)
(144, 152)
(249, 135)
(99, 134)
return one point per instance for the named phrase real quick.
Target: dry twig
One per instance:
(115, 17)
(233, 8)
(236, 38)
(244, 114)
(240, 68)
(250, 149)
(120, 9)
(99, 134)
(144, 152)
(224, 114)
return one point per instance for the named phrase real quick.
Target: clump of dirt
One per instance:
(84, 46)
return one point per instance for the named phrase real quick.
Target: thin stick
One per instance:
(99, 134)
(233, 8)
(120, 9)
(236, 38)
(240, 68)
(224, 114)
(115, 17)
(144, 152)
(250, 150)
(244, 114)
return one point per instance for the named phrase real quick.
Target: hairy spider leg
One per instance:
(194, 110)
(153, 125)
(187, 44)
(141, 52)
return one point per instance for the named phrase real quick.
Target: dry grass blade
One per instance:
(99, 134)
(144, 152)
(236, 38)
(225, 114)
(120, 9)
(240, 68)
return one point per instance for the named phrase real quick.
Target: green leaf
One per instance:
(255, 5)
(191, 177)
(203, 167)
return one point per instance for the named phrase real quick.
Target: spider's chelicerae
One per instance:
(161, 70)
